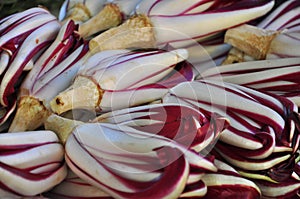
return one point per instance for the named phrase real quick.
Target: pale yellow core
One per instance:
(84, 93)
(31, 114)
(136, 32)
(110, 16)
(253, 41)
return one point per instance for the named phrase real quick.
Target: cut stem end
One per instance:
(79, 13)
(136, 32)
(254, 41)
(84, 93)
(110, 16)
(61, 126)
(31, 114)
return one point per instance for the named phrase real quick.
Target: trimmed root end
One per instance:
(84, 93)
(254, 41)
(136, 32)
(110, 16)
(61, 126)
(31, 114)
(236, 56)
(79, 13)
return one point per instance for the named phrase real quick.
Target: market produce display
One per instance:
(151, 99)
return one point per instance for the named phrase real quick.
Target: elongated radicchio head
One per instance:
(32, 162)
(262, 132)
(23, 36)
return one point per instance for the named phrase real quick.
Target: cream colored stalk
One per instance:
(113, 13)
(52, 73)
(118, 79)
(176, 23)
(263, 44)
(61, 126)
(251, 40)
(80, 10)
(276, 36)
